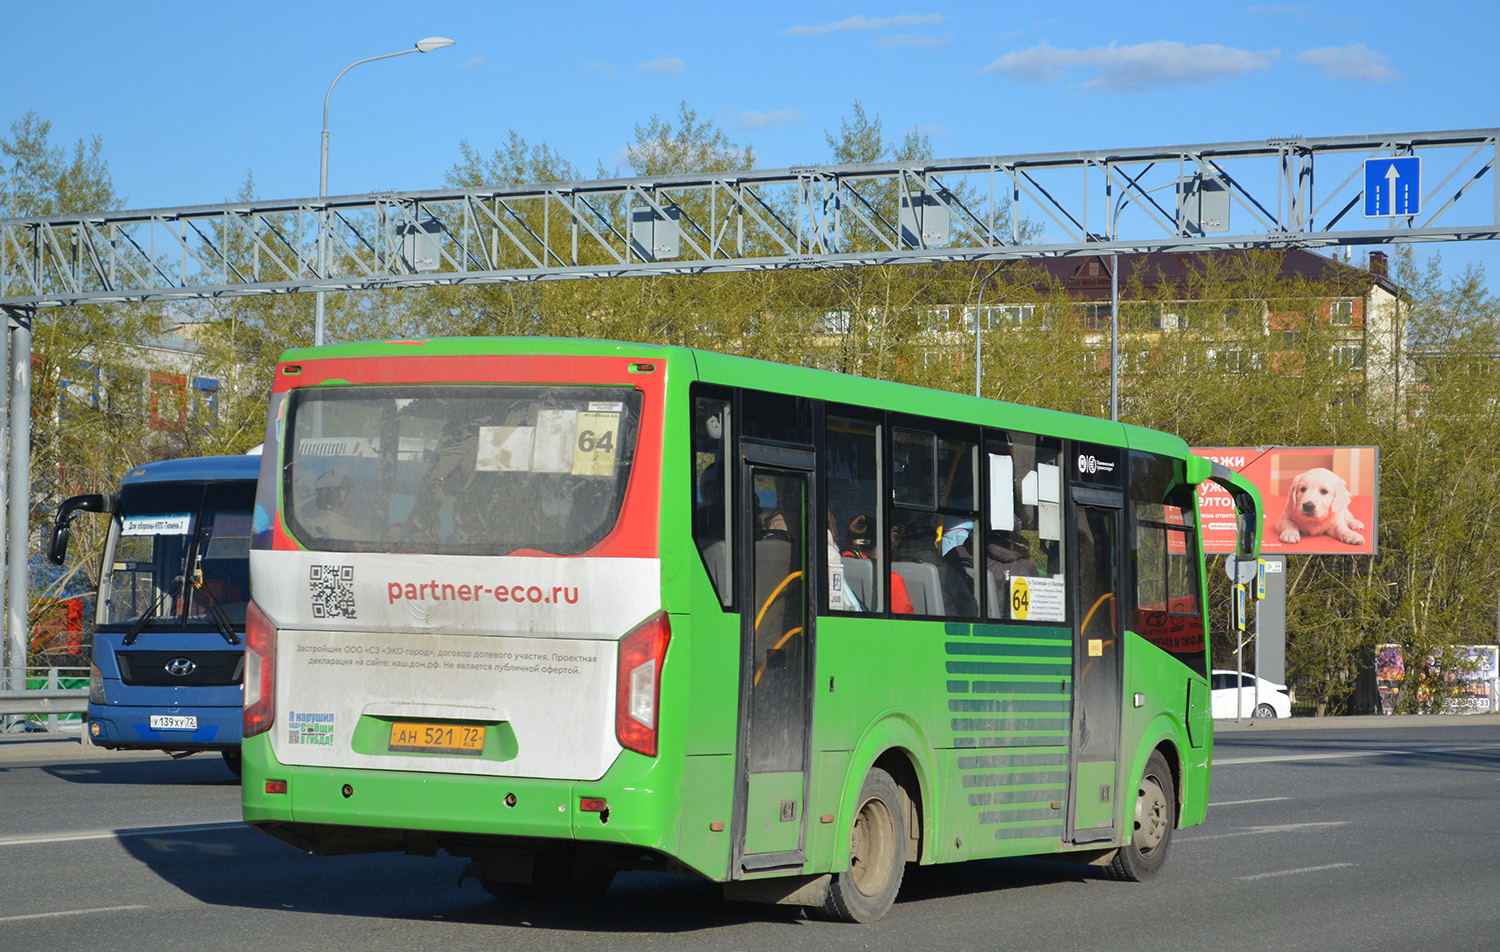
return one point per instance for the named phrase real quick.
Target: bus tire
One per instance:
(232, 761)
(1153, 820)
(877, 855)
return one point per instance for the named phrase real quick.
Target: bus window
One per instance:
(1023, 550)
(776, 417)
(490, 470)
(932, 523)
(712, 524)
(1168, 611)
(914, 468)
(221, 577)
(851, 472)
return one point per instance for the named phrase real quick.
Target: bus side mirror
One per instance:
(1246, 522)
(57, 546)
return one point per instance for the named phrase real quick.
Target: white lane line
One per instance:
(1294, 872)
(69, 912)
(1343, 754)
(1240, 803)
(119, 834)
(1276, 828)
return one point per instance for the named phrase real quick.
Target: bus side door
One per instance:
(1097, 649)
(776, 630)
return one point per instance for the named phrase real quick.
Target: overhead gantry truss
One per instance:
(1281, 193)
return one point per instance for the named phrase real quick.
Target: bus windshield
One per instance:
(178, 555)
(458, 470)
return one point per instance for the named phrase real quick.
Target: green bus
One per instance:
(567, 607)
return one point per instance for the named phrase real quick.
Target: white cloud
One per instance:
(600, 67)
(859, 23)
(665, 65)
(1355, 61)
(1143, 66)
(754, 119)
(471, 62)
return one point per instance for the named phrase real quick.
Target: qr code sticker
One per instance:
(332, 591)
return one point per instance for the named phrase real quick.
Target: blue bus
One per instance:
(168, 659)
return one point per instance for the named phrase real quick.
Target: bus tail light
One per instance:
(260, 671)
(638, 689)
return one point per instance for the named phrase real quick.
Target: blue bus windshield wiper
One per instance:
(147, 616)
(215, 610)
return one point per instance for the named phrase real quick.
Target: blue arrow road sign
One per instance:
(1393, 186)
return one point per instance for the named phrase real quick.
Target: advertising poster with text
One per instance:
(1318, 500)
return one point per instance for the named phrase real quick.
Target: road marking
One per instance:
(1240, 803)
(69, 912)
(1343, 754)
(119, 834)
(1275, 828)
(1294, 872)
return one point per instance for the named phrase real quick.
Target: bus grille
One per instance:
(181, 668)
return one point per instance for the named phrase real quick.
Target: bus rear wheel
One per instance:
(1154, 818)
(877, 855)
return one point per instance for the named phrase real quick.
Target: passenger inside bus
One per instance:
(942, 588)
(859, 542)
(333, 494)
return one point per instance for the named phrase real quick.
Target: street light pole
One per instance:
(978, 313)
(421, 46)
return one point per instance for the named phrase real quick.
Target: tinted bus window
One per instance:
(458, 470)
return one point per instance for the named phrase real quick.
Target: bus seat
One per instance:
(860, 575)
(923, 585)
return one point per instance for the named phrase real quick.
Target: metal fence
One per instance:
(54, 697)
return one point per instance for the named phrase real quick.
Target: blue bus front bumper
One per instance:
(118, 726)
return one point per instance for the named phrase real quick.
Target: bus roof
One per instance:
(195, 469)
(730, 370)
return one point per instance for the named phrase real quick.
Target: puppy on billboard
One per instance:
(1318, 504)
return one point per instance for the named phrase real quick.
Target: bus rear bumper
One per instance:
(331, 810)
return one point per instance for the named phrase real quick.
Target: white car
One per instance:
(1273, 700)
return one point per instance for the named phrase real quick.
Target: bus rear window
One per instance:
(458, 470)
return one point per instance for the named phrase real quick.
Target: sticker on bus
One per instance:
(174, 524)
(594, 453)
(1038, 599)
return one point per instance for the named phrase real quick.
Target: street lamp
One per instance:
(978, 315)
(1114, 300)
(421, 46)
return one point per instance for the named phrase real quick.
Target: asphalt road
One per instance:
(1364, 834)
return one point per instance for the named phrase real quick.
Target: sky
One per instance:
(189, 99)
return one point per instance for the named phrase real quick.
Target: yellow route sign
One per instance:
(1020, 599)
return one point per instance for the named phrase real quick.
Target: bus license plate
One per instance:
(407, 736)
(174, 722)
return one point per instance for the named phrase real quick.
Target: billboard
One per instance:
(1318, 500)
(1474, 691)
